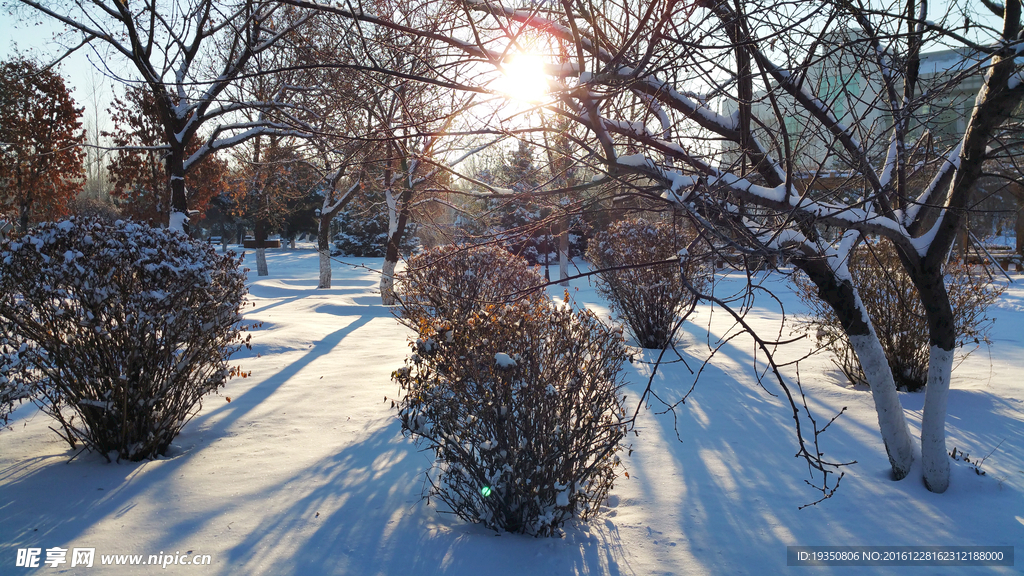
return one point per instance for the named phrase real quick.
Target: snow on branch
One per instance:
(252, 130)
(941, 179)
(782, 197)
(330, 208)
(923, 243)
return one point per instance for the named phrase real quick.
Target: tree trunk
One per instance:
(398, 216)
(891, 423)
(179, 197)
(1019, 225)
(328, 211)
(942, 334)
(844, 300)
(963, 243)
(323, 245)
(563, 251)
(26, 211)
(934, 459)
(261, 249)
(387, 283)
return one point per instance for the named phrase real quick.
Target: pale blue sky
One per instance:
(34, 38)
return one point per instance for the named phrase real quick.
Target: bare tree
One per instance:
(410, 117)
(97, 183)
(339, 146)
(278, 172)
(377, 116)
(187, 54)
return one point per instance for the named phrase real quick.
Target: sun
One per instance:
(524, 78)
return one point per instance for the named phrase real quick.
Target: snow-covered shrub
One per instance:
(94, 208)
(647, 297)
(123, 329)
(521, 405)
(897, 313)
(449, 282)
(12, 392)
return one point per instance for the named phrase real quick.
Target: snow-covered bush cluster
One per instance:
(648, 296)
(452, 281)
(520, 403)
(897, 314)
(117, 329)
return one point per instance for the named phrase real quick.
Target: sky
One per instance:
(34, 38)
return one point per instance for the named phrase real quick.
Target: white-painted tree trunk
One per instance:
(178, 221)
(891, 422)
(387, 277)
(387, 284)
(261, 262)
(934, 459)
(325, 269)
(563, 253)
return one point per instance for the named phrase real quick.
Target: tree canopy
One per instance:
(138, 169)
(41, 141)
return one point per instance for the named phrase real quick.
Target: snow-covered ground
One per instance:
(305, 471)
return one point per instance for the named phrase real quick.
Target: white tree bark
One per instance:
(387, 277)
(330, 208)
(325, 269)
(387, 284)
(934, 459)
(563, 252)
(891, 422)
(178, 221)
(261, 262)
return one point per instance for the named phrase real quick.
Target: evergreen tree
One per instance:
(362, 228)
(518, 221)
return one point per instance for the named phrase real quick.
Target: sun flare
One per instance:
(524, 78)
